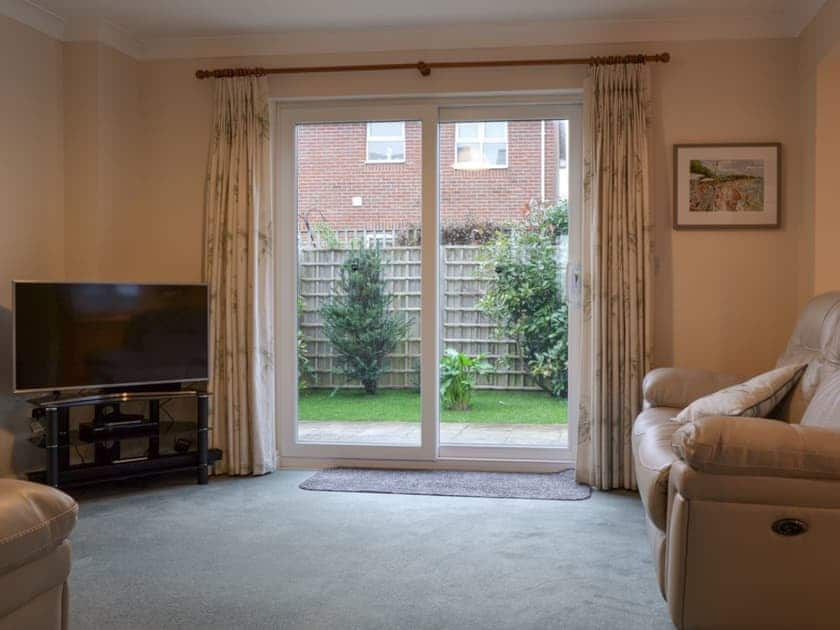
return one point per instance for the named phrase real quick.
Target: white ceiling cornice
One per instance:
(457, 36)
(449, 36)
(34, 16)
(104, 32)
(73, 30)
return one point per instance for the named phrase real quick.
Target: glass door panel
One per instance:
(504, 245)
(359, 204)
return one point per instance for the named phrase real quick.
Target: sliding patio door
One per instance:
(357, 324)
(396, 226)
(507, 200)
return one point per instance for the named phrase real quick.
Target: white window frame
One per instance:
(481, 140)
(430, 111)
(371, 138)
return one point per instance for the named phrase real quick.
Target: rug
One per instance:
(559, 486)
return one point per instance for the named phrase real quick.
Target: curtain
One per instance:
(239, 271)
(616, 270)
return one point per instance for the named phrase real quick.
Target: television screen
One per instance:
(91, 335)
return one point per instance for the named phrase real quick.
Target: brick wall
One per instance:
(332, 170)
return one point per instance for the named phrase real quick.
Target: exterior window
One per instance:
(481, 145)
(385, 142)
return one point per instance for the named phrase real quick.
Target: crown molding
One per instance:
(105, 32)
(32, 15)
(81, 29)
(460, 36)
(787, 24)
(800, 14)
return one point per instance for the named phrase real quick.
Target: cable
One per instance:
(78, 452)
(162, 407)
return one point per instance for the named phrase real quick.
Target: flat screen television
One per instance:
(73, 335)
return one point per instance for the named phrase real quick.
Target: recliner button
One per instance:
(789, 527)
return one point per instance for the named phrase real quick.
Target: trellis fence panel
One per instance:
(465, 326)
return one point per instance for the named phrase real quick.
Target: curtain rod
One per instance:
(425, 69)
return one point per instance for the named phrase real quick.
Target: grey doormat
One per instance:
(454, 483)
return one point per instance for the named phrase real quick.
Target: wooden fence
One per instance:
(465, 326)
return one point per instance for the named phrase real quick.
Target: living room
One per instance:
(466, 351)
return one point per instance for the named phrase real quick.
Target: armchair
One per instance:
(744, 513)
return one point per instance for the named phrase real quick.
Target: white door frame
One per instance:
(287, 269)
(429, 111)
(567, 109)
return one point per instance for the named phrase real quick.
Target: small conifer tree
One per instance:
(359, 321)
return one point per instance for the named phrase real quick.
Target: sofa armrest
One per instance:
(758, 447)
(33, 519)
(679, 387)
(694, 485)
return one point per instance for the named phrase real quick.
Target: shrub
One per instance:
(469, 231)
(359, 322)
(304, 368)
(458, 372)
(327, 237)
(524, 297)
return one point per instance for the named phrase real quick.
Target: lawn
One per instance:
(389, 405)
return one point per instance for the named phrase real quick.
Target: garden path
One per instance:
(408, 433)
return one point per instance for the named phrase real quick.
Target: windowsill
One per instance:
(384, 161)
(468, 167)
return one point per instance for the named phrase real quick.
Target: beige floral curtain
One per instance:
(239, 270)
(617, 272)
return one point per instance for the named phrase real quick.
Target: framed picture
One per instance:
(727, 186)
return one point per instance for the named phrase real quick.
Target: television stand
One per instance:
(109, 427)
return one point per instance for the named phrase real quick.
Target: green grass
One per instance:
(389, 405)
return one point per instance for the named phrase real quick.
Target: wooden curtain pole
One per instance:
(425, 69)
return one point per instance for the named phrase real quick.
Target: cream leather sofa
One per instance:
(35, 521)
(744, 523)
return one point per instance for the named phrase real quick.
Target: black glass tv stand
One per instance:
(109, 427)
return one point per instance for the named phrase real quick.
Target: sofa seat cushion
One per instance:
(653, 456)
(34, 518)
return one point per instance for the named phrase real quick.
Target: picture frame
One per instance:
(727, 186)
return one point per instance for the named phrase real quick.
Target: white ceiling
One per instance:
(191, 18)
(145, 23)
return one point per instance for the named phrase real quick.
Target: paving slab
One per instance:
(408, 433)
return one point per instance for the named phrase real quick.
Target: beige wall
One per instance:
(734, 295)
(819, 88)
(31, 199)
(104, 151)
(69, 114)
(827, 168)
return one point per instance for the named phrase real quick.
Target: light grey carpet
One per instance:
(260, 553)
(559, 486)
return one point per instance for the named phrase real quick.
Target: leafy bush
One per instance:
(467, 231)
(524, 296)
(327, 237)
(359, 321)
(304, 368)
(458, 372)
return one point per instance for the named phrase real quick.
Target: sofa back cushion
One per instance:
(815, 342)
(824, 409)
